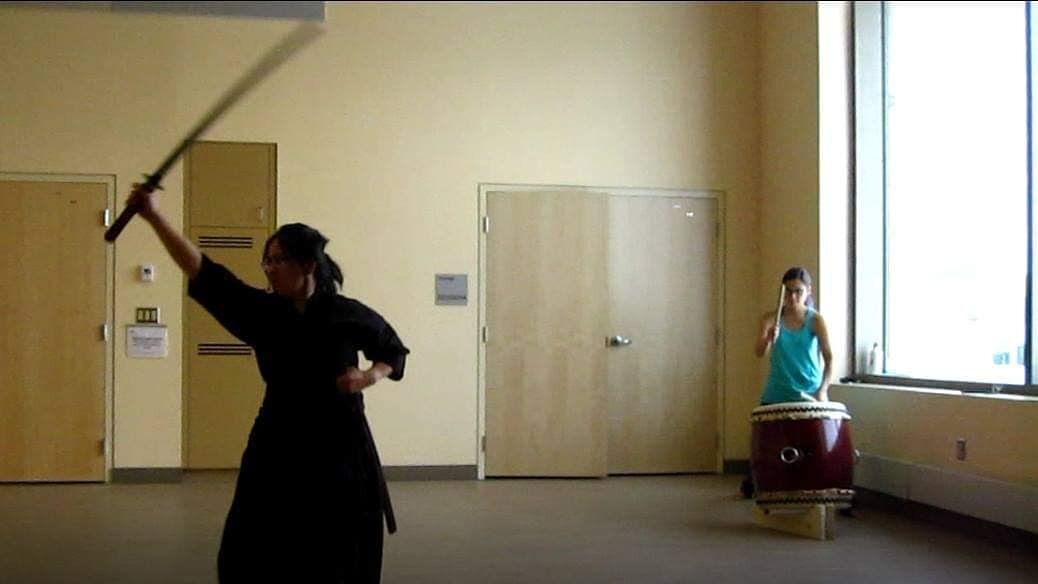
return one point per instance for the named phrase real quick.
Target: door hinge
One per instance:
(484, 334)
(104, 332)
(486, 224)
(483, 443)
(106, 217)
(101, 447)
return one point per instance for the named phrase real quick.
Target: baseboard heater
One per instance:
(1012, 504)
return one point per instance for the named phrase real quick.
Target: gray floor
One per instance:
(620, 529)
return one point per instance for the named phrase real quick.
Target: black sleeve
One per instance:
(379, 341)
(233, 303)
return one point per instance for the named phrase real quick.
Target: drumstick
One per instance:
(270, 61)
(778, 312)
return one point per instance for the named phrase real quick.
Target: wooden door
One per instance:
(663, 300)
(545, 353)
(230, 190)
(52, 352)
(566, 272)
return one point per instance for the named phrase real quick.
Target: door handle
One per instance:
(617, 341)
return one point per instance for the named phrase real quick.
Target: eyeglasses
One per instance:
(274, 261)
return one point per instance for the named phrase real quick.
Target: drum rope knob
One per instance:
(789, 455)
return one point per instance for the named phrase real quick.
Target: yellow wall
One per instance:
(789, 144)
(922, 426)
(385, 127)
(789, 172)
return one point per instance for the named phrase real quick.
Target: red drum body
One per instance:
(802, 454)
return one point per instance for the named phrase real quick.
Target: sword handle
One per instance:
(120, 222)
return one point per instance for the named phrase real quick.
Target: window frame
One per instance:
(870, 207)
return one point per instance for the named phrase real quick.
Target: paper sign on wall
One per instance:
(147, 341)
(452, 289)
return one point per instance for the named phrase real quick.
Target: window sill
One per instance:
(1002, 396)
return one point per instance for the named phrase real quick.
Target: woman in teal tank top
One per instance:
(801, 358)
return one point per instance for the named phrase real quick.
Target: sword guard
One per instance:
(153, 181)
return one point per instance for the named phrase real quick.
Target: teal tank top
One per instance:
(795, 372)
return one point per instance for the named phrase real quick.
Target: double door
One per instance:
(602, 333)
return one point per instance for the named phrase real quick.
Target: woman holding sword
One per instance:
(310, 498)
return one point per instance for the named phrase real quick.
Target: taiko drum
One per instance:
(802, 454)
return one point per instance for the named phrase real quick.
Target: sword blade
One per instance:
(271, 60)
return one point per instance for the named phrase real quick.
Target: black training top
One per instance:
(305, 420)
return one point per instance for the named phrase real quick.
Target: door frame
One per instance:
(109, 365)
(481, 360)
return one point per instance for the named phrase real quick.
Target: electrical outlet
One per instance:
(960, 449)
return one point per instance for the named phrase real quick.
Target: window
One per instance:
(944, 188)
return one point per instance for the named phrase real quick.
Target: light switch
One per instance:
(147, 273)
(147, 314)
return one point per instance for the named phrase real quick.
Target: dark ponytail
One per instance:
(303, 244)
(329, 276)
